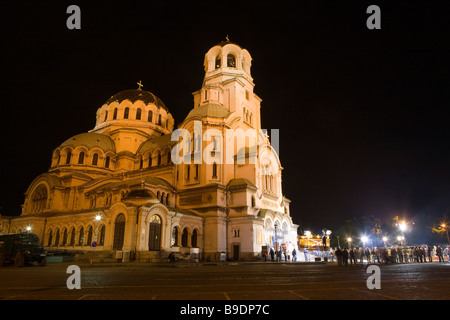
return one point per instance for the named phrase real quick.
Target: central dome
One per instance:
(135, 95)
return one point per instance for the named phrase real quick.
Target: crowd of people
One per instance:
(395, 254)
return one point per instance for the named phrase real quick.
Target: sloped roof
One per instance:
(156, 143)
(91, 140)
(209, 110)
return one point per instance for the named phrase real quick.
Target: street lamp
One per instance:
(402, 226)
(385, 239)
(28, 228)
(364, 240)
(349, 241)
(308, 234)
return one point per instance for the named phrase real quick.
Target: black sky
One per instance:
(364, 115)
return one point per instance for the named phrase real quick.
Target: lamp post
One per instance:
(308, 234)
(349, 241)
(403, 227)
(364, 240)
(385, 239)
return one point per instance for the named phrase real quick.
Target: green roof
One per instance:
(91, 140)
(156, 143)
(135, 181)
(240, 182)
(209, 110)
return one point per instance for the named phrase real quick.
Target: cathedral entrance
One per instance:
(236, 249)
(119, 232)
(154, 233)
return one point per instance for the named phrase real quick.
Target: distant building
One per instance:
(117, 188)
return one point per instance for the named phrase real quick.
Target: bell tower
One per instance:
(228, 82)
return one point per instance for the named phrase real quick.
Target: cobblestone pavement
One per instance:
(228, 281)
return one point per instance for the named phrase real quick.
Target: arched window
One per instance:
(126, 113)
(39, 199)
(154, 233)
(81, 237)
(64, 237)
(138, 114)
(95, 159)
(107, 162)
(184, 238)
(159, 158)
(253, 201)
(81, 158)
(194, 239)
(141, 163)
(115, 114)
(89, 237)
(218, 62)
(50, 239)
(231, 61)
(57, 238)
(175, 236)
(119, 232)
(101, 240)
(159, 120)
(150, 116)
(214, 170)
(106, 115)
(196, 172)
(68, 157)
(72, 237)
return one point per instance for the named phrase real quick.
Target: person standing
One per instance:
(439, 254)
(352, 256)
(294, 255)
(377, 254)
(430, 253)
(272, 254)
(345, 257)
(367, 254)
(361, 254)
(421, 254)
(332, 254)
(393, 255)
(339, 256)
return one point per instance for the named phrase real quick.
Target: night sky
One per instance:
(364, 115)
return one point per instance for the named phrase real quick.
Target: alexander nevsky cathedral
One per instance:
(131, 188)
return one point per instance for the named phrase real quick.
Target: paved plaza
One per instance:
(227, 281)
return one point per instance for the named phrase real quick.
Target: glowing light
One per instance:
(364, 239)
(98, 217)
(385, 239)
(402, 226)
(28, 228)
(349, 239)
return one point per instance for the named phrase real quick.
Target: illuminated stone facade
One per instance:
(117, 186)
